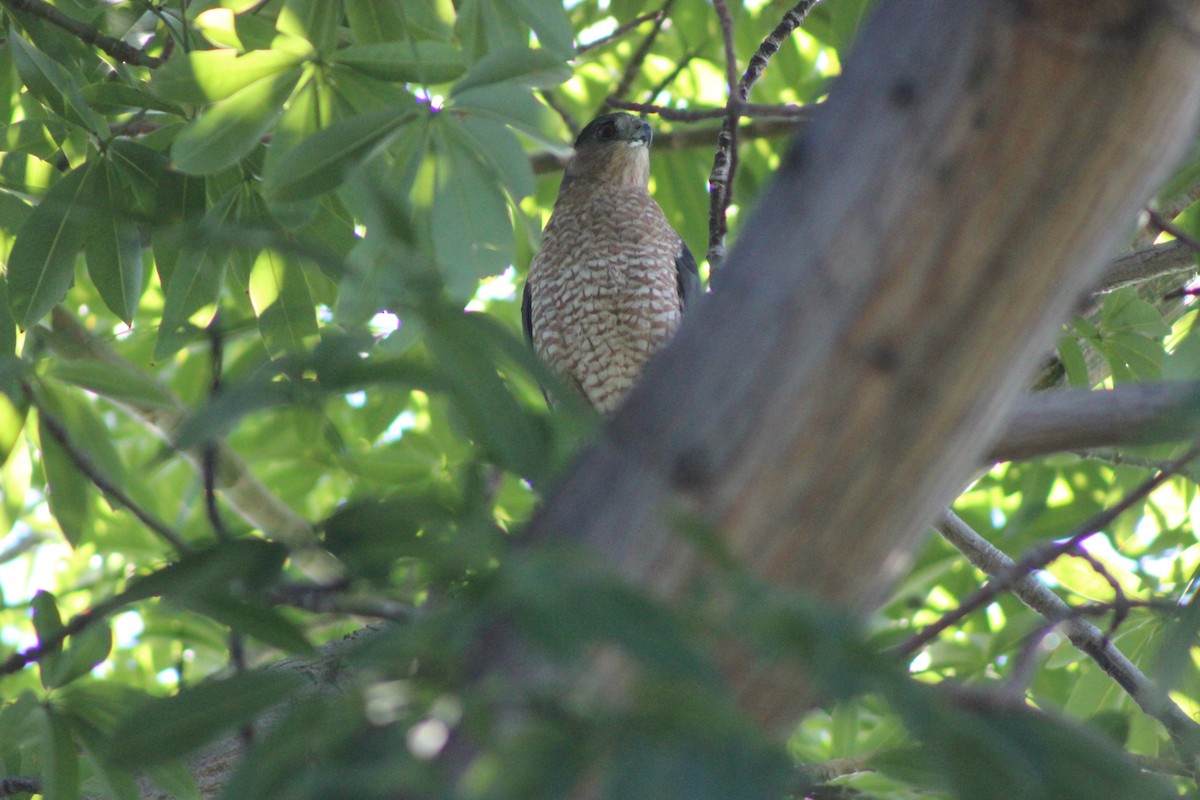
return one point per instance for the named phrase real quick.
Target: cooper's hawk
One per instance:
(612, 278)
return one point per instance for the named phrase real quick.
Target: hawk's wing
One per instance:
(688, 278)
(527, 312)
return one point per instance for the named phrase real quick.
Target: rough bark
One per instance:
(923, 241)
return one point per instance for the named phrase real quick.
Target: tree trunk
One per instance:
(921, 245)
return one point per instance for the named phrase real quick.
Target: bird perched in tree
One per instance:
(612, 278)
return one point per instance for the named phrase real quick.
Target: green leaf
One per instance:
(176, 779)
(472, 232)
(262, 622)
(84, 651)
(8, 325)
(231, 128)
(69, 488)
(195, 281)
(521, 66)
(516, 106)
(47, 623)
(548, 19)
(240, 31)
(51, 82)
(320, 162)
(416, 61)
(41, 266)
(315, 21)
(37, 136)
(463, 346)
(171, 727)
(121, 382)
(12, 422)
(86, 430)
(60, 762)
(372, 21)
(116, 98)
(208, 76)
(254, 561)
(499, 148)
(281, 299)
(112, 245)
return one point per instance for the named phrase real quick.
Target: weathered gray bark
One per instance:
(921, 245)
(885, 304)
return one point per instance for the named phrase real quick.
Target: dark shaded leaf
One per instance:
(320, 162)
(170, 727)
(521, 66)
(414, 61)
(41, 266)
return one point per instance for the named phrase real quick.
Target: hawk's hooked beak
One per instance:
(644, 135)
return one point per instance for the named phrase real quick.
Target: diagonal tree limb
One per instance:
(1085, 636)
(244, 493)
(86, 33)
(1079, 419)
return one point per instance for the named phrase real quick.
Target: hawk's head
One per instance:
(613, 147)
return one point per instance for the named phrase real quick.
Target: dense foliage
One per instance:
(238, 241)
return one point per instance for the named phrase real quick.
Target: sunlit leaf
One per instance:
(231, 128)
(208, 76)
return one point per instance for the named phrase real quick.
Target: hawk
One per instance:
(612, 278)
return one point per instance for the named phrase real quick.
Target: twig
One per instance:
(634, 67)
(546, 162)
(208, 454)
(114, 47)
(243, 492)
(556, 105)
(1166, 226)
(1039, 557)
(85, 465)
(22, 658)
(1085, 636)
(761, 110)
(1147, 263)
(684, 63)
(725, 160)
(331, 599)
(621, 30)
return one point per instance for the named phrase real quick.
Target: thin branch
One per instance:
(1080, 419)
(1039, 557)
(554, 104)
(114, 47)
(825, 771)
(22, 658)
(725, 160)
(1147, 263)
(332, 599)
(84, 464)
(243, 492)
(208, 453)
(684, 63)
(621, 30)
(1168, 227)
(634, 67)
(785, 111)
(1084, 635)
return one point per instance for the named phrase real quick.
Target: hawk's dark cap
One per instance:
(615, 128)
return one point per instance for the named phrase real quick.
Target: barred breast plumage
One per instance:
(612, 278)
